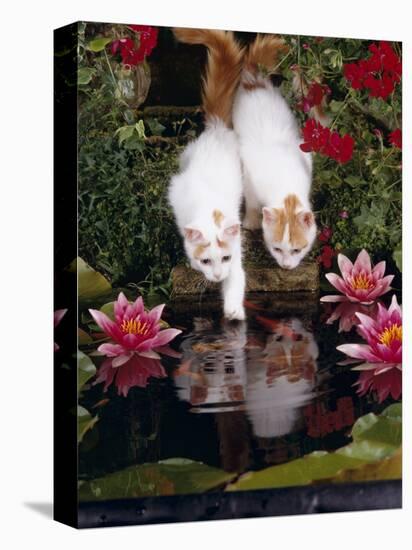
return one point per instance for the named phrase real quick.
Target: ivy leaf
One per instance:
(84, 75)
(98, 44)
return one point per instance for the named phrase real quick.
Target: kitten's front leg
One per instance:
(253, 216)
(234, 292)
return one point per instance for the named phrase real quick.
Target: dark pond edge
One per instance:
(350, 497)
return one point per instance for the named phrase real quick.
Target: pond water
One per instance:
(239, 397)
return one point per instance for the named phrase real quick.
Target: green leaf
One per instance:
(85, 421)
(354, 180)
(108, 310)
(155, 127)
(85, 369)
(393, 411)
(388, 468)
(140, 129)
(397, 256)
(98, 44)
(375, 440)
(168, 477)
(84, 75)
(381, 429)
(91, 284)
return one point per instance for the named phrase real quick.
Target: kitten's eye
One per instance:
(205, 261)
(296, 250)
(277, 249)
(226, 258)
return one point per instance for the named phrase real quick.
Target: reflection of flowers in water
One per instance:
(58, 316)
(346, 312)
(135, 372)
(281, 378)
(137, 336)
(360, 283)
(382, 371)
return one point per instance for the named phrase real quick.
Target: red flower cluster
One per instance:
(379, 73)
(319, 139)
(327, 253)
(326, 256)
(314, 96)
(325, 234)
(395, 138)
(127, 47)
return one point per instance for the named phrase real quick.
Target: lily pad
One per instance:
(85, 421)
(85, 370)
(168, 477)
(91, 284)
(376, 439)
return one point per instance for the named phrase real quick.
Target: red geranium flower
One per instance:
(319, 139)
(379, 73)
(325, 234)
(326, 256)
(395, 138)
(314, 96)
(130, 54)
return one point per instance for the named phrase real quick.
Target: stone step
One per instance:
(262, 273)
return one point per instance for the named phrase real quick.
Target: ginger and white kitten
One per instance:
(277, 174)
(206, 194)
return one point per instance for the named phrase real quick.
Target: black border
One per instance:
(348, 497)
(65, 285)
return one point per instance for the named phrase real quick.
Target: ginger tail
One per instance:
(261, 59)
(223, 68)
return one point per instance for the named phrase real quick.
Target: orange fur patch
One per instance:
(289, 216)
(218, 217)
(224, 65)
(200, 249)
(264, 53)
(221, 244)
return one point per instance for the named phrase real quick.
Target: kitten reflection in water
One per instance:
(281, 377)
(212, 372)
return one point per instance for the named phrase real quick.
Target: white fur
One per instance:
(274, 165)
(210, 179)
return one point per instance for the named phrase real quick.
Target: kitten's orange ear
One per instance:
(269, 214)
(307, 219)
(193, 235)
(233, 230)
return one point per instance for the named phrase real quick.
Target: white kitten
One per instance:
(277, 174)
(206, 193)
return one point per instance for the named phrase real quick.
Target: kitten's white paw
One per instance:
(235, 312)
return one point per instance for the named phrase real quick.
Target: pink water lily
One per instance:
(58, 316)
(135, 372)
(134, 331)
(359, 282)
(382, 371)
(383, 335)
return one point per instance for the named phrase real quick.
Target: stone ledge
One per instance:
(186, 281)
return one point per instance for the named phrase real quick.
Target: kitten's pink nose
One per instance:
(287, 265)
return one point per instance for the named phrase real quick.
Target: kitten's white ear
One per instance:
(307, 219)
(232, 230)
(193, 235)
(269, 214)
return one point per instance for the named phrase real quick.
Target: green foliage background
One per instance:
(126, 158)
